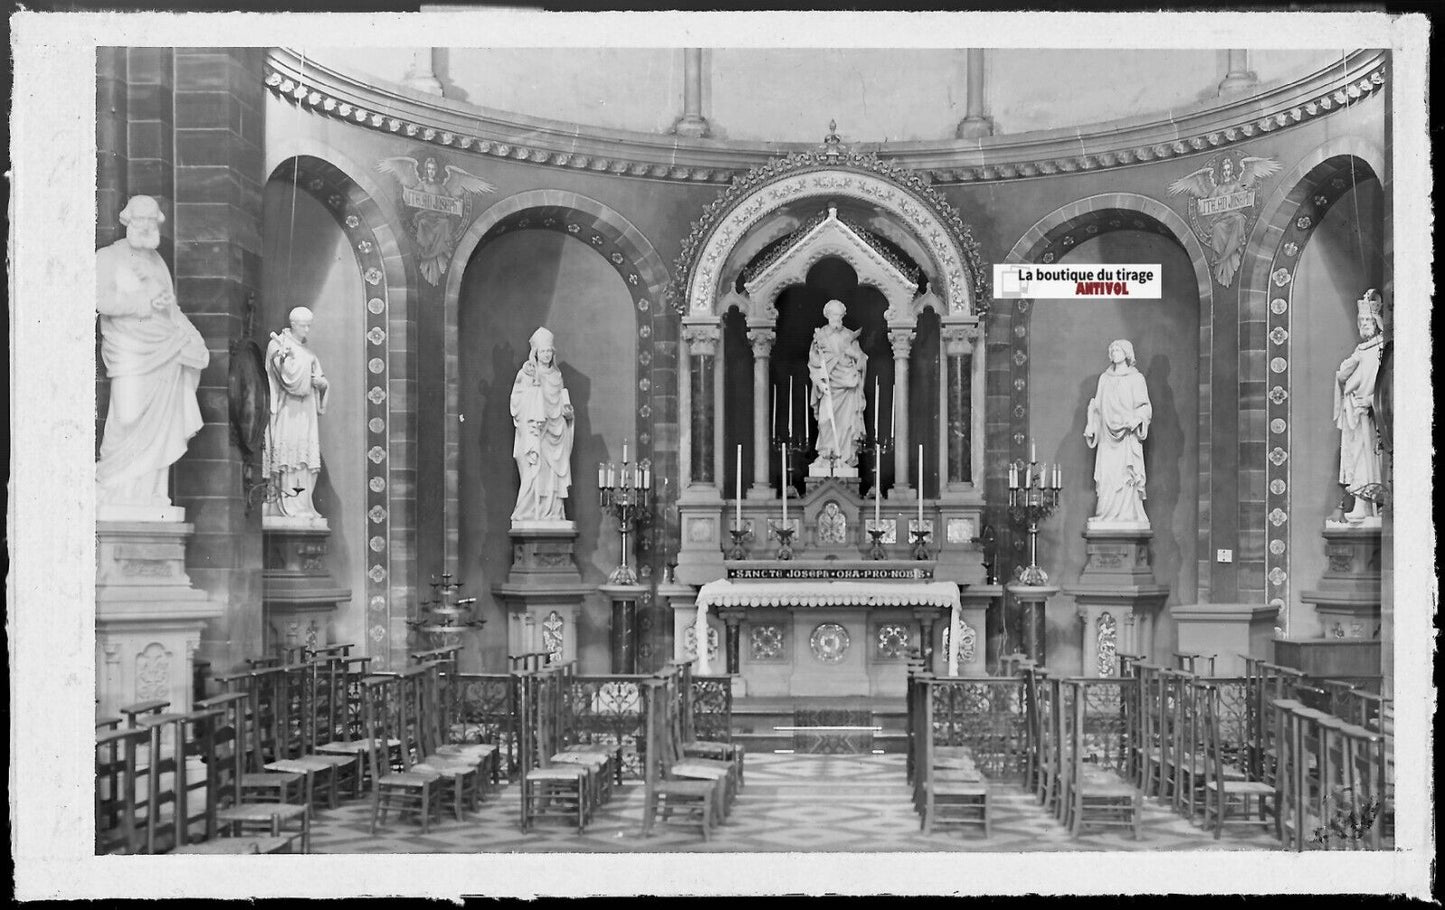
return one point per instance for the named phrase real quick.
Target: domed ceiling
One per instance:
(790, 95)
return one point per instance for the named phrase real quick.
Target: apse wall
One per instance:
(1069, 349)
(308, 262)
(514, 284)
(1340, 261)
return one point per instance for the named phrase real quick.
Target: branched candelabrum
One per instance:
(625, 494)
(446, 616)
(1029, 503)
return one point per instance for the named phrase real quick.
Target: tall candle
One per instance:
(1033, 453)
(790, 407)
(738, 499)
(875, 408)
(807, 411)
(601, 475)
(785, 486)
(877, 482)
(920, 487)
(624, 451)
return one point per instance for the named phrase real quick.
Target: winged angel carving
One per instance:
(1222, 207)
(441, 200)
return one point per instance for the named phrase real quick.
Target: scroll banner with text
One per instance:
(1059, 282)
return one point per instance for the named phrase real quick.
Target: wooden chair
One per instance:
(403, 790)
(255, 738)
(251, 802)
(549, 790)
(1096, 793)
(116, 824)
(345, 734)
(725, 771)
(695, 747)
(692, 801)
(1227, 788)
(1148, 763)
(460, 774)
(952, 790)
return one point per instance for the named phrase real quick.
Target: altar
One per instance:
(828, 628)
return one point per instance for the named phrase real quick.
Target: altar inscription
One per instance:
(829, 574)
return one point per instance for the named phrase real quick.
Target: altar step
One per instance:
(820, 725)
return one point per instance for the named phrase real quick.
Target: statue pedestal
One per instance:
(543, 592)
(1031, 602)
(623, 633)
(1226, 632)
(298, 594)
(148, 618)
(1117, 597)
(972, 645)
(1347, 600)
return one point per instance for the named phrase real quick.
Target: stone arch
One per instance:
(952, 255)
(1288, 218)
(1008, 383)
(641, 269)
(386, 272)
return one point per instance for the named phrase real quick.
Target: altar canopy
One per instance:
(724, 593)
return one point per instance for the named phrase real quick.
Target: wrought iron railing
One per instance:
(986, 715)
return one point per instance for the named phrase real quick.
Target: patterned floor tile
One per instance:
(790, 803)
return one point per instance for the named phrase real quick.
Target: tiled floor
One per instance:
(791, 803)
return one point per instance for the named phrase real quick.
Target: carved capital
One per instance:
(701, 340)
(762, 342)
(902, 341)
(958, 340)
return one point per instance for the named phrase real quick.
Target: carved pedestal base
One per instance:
(543, 593)
(148, 618)
(1117, 597)
(972, 646)
(1031, 600)
(1347, 600)
(298, 594)
(1225, 632)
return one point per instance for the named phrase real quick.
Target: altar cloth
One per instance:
(724, 593)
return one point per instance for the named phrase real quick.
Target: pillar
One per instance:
(623, 632)
(958, 342)
(422, 75)
(975, 123)
(762, 341)
(218, 143)
(692, 122)
(733, 618)
(1239, 78)
(902, 341)
(696, 407)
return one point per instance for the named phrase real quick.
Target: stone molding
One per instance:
(1213, 124)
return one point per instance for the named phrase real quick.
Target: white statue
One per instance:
(542, 414)
(153, 356)
(1118, 422)
(836, 365)
(292, 454)
(1355, 413)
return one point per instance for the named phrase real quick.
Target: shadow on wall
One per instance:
(1164, 469)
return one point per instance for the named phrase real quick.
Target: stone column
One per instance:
(421, 76)
(623, 633)
(762, 341)
(958, 342)
(695, 407)
(902, 341)
(1239, 78)
(927, 618)
(975, 123)
(733, 618)
(720, 458)
(692, 122)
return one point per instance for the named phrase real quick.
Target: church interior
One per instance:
(591, 449)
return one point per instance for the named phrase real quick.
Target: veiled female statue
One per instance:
(1117, 424)
(1355, 410)
(543, 417)
(836, 364)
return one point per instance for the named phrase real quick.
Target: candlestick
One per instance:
(738, 497)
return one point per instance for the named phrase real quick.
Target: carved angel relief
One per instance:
(1222, 213)
(440, 197)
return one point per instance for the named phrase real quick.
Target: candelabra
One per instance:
(785, 540)
(877, 550)
(625, 494)
(268, 491)
(445, 617)
(920, 542)
(1029, 503)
